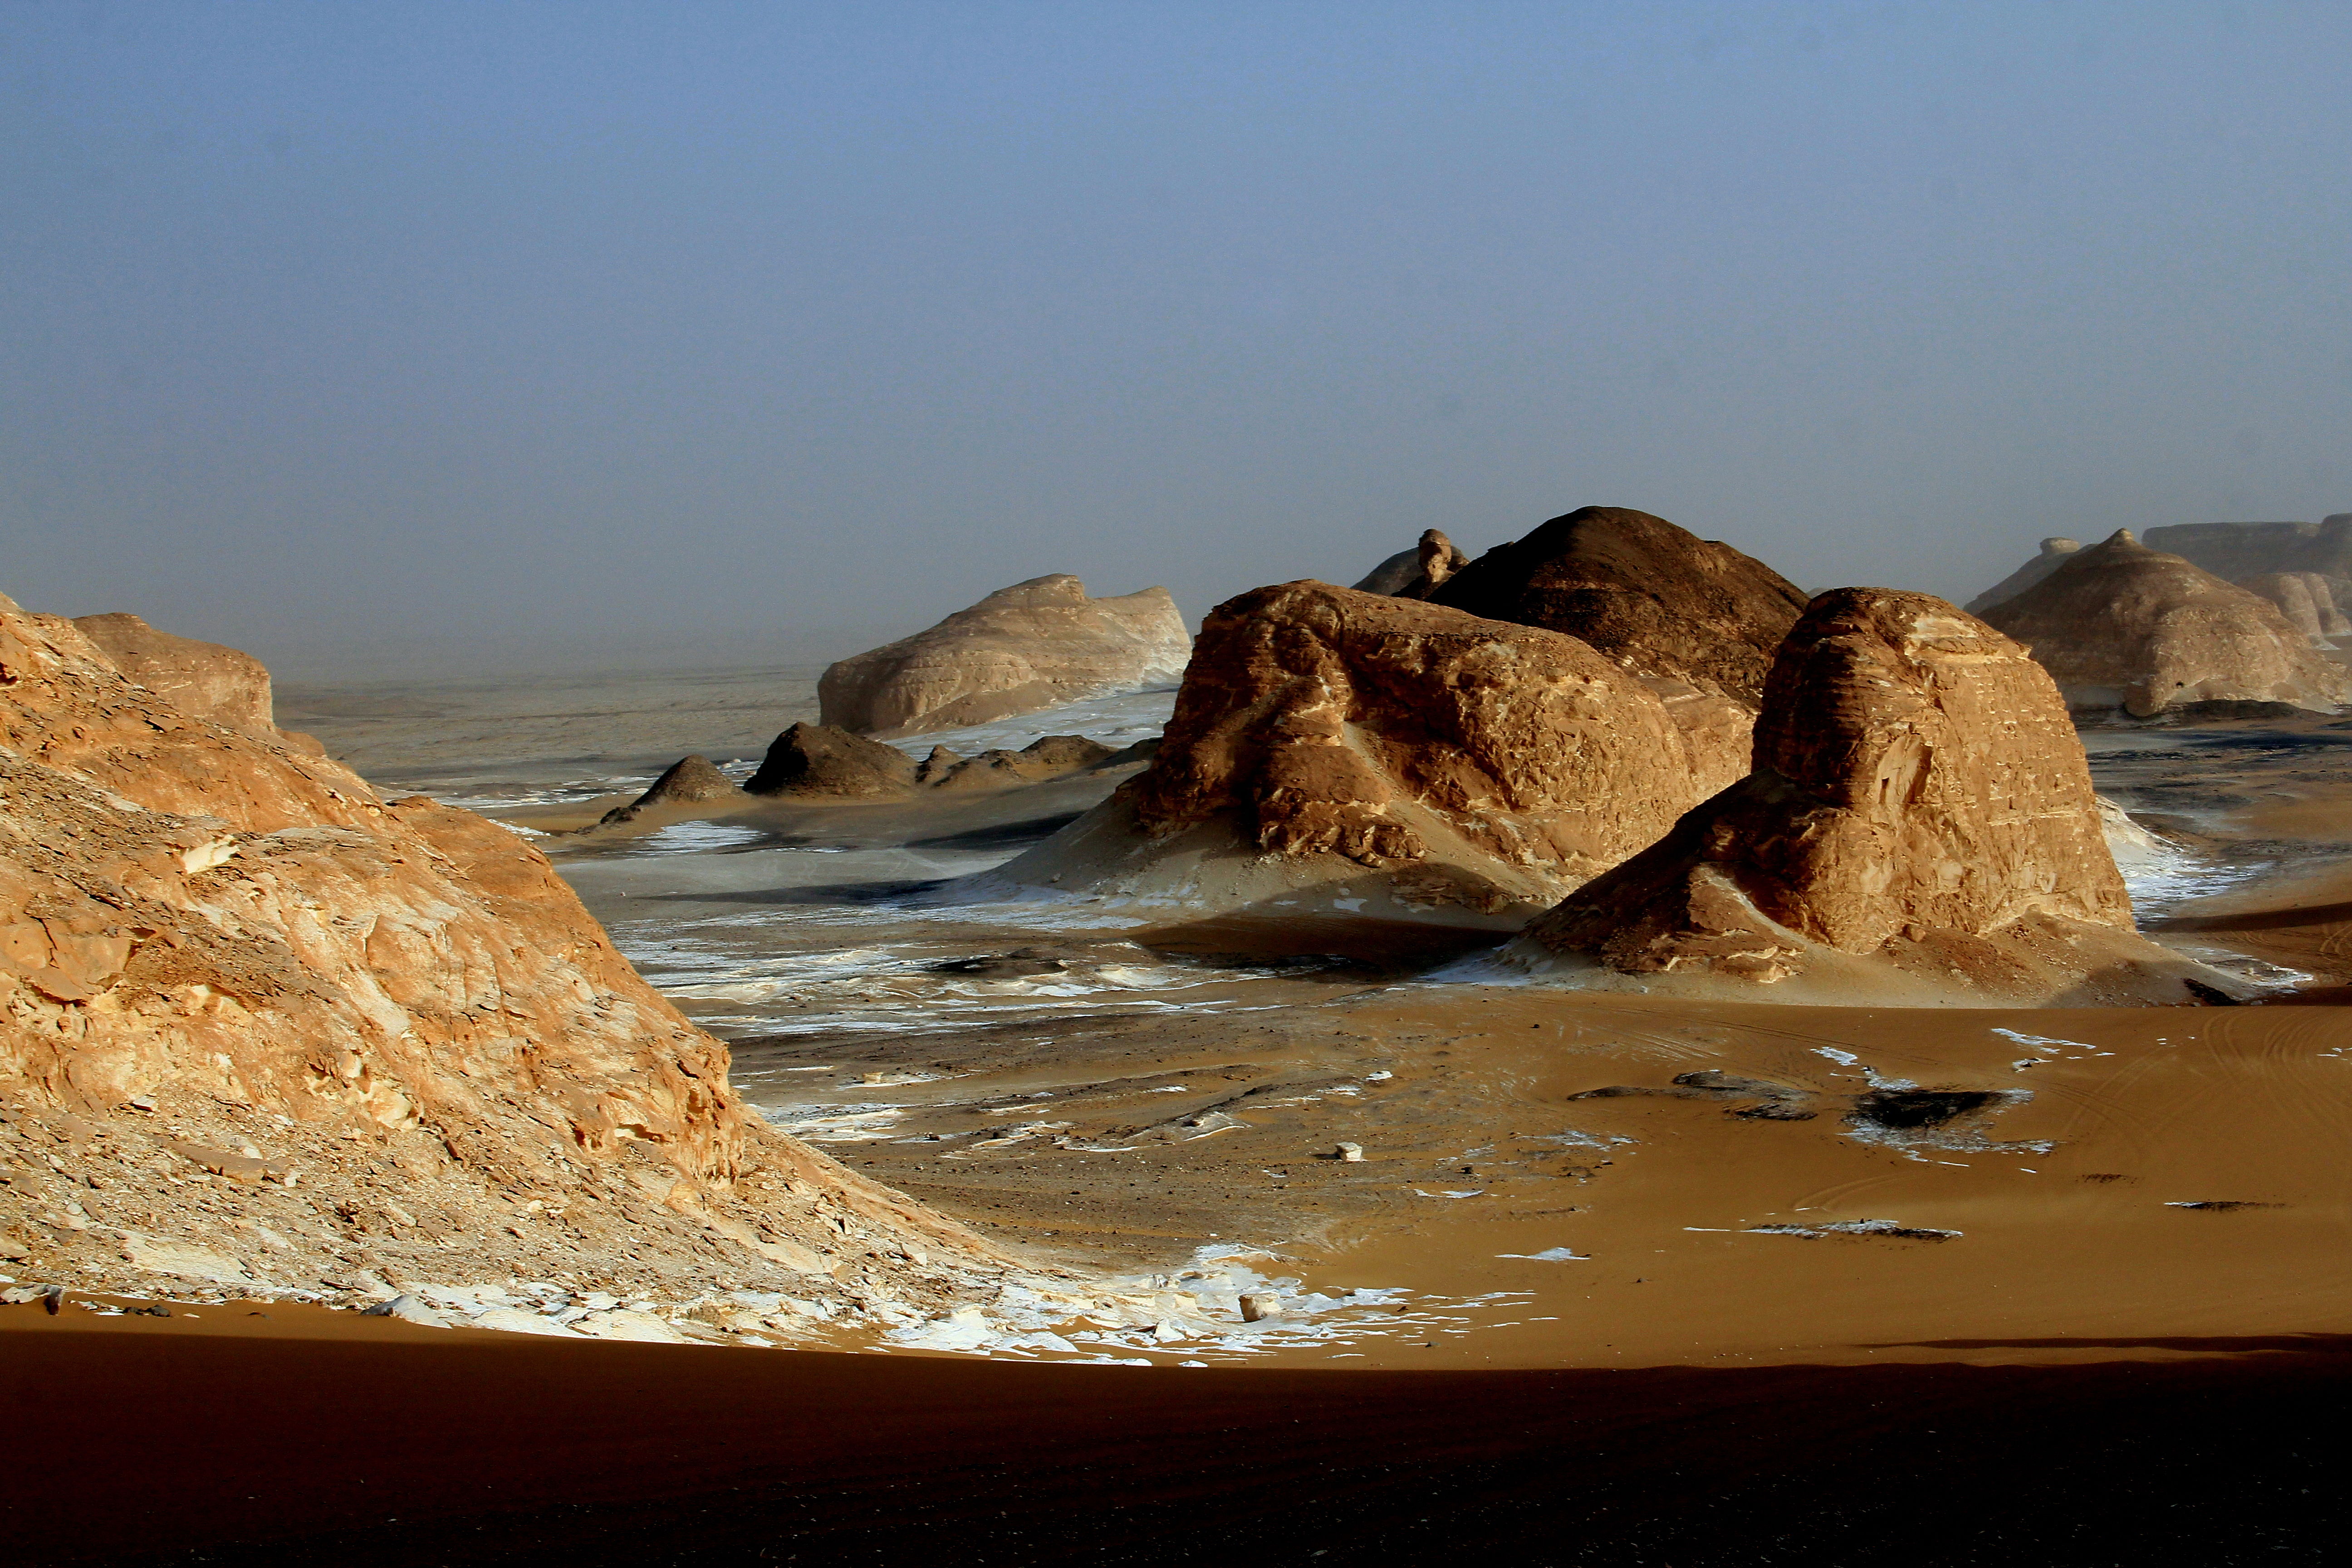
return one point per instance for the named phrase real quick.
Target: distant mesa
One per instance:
(2055, 552)
(2237, 550)
(2120, 626)
(1034, 646)
(1650, 597)
(212, 682)
(1414, 574)
(690, 781)
(1338, 751)
(825, 760)
(1919, 824)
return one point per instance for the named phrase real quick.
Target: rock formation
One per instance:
(2236, 551)
(1651, 597)
(1053, 757)
(1034, 646)
(366, 1039)
(2306, 602)
(689, 781)
(1414, 574)
(824, 761)
(2055, 552)
(1340, 750)
(2123, 626)
(205, 679)
(1919, 824)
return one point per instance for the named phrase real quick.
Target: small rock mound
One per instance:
(1034, 646)
(689, 781)
(1356, 747)
(2055, 552)
(1651, 597)
(1053, 757)
(824, 760)
(1414, 574)
(1919, 798)
(2122, 626)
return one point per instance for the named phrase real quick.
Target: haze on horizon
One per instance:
(365, 338)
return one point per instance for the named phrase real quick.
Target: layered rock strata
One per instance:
(1414, 574)
(263, 1030)
(1919, 826)
(2054, 553)
(1652, 597)
(2123, 626)
(1343, 750)
(1034, 646)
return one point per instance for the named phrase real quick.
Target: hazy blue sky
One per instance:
(583, 327)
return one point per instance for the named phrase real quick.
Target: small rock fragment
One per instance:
(1353, 1153)
(1258, 1306)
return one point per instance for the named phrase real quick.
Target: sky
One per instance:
(489, 336)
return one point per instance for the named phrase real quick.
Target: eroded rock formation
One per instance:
(2054, 553)
(2123, 626)
(826, 760)
(2306, 602)
(1654, 598)
(1414, 574)
(1919, 802)
(1034, 646)
(377, 1038)
(689, 781)
(205, 679)
(2236, 551)
(1052, 757)
(1336, 749)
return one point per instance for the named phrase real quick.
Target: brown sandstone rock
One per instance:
(1052, 757)
(288, 978)
(1649, 596)
(1414, 574)
(821, 760)
(1919, 799)
(689, 781)
(2055, 552)
(2123, 626)
(1034, 646)
(1353, 746)
(204, 678)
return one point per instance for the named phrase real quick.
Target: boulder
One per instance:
(2123, 626)
(1919, 824)
(1034, 646)
(2054, 553)
(200, 677)
(1414, 574)
(824, 760)
(689, 781)
(1651, 597)
(1338, 750)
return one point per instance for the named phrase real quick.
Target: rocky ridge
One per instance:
(2122, 626)
(222, 684)
(1033, 646)
(1919, 826)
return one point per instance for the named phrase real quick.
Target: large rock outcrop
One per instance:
(1034, 646)
(2123, 626)
(205, 679)
(1651, 597)
(2305, 600)
(1333, 750)
(2054, 553)
(2237, 550)
(1919, 826)
(1416, 573)
(385, 1033)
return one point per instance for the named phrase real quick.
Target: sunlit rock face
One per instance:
(2123, 626)
(1034, 646)
(1650, 597)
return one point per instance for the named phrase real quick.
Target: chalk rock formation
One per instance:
(821, 760)
(2122, 626)
(2055, 552)
(1654, 598)
(1052, 757)
(1035, 645)
(2236, 551)
(689, 781)
(1919, 802)
(200, 677)
(387, 1027)
(1334, 748)
(1414, 574)
(2306, 602)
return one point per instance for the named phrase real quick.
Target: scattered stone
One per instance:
(408, 1309)
(1258, 1306)
(1351, 1153)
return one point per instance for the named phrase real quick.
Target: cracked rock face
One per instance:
(1651, 597)
(2122, 626)
(1033, 646)
(1917, 784)
(1324, 735)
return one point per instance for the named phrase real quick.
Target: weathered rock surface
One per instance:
(2306, 602)
(1414, 574)
(2236, 551)
(689, 781)
(824, 761)
(200, 677)
(2055, 552)
(2123, 626)
(1651, 597)
(1034, 646)
(368, 1035)
(1919, 802)
(1052, 757)
(1343, 750)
